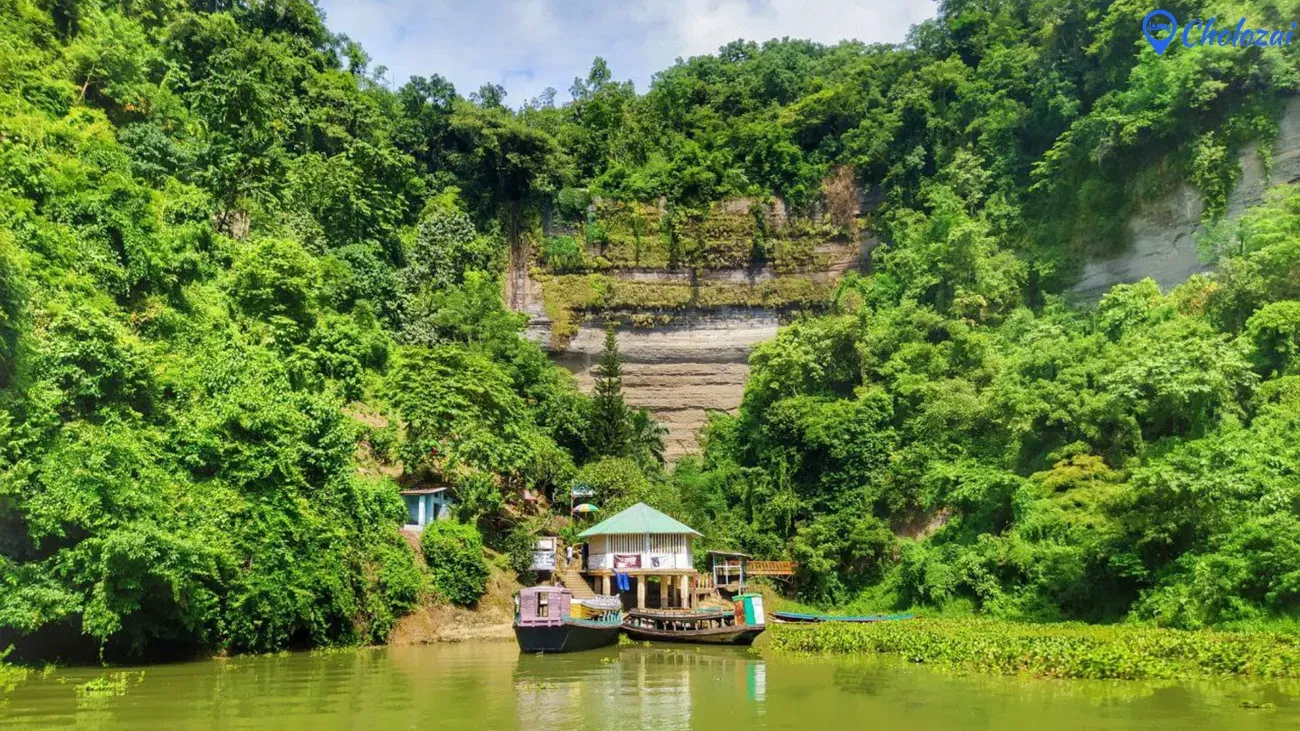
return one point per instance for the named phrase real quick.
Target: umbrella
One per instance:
(585, 508)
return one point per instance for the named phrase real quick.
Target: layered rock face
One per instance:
(679, 371)
(1164, 231)
(690, 296)
(688, 361)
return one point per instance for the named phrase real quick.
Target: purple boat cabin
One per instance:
(544, 622)
(544, 606)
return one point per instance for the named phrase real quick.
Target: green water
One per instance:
(491, 686)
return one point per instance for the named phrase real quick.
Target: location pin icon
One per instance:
(1155, 22)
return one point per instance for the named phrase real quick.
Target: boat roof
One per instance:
(729, 553)
(424, 491)
(638, 519)
(545, 590)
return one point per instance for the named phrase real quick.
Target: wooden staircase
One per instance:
(574, 582)
(569, 575)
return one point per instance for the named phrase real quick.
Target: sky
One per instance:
(529, 45)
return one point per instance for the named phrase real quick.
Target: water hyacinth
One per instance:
(1054, 651)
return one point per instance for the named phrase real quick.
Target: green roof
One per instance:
(639, 518)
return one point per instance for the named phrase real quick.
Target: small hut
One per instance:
(649, 548)
(426, 505)
(728, 568)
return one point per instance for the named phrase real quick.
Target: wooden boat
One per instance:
(717, 627)
(795, 617)
(545, 622)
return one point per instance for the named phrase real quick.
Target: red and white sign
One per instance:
(627, 561)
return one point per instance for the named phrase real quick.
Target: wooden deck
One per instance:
(770, 568)
(730, 579)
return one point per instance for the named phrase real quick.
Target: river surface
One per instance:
(484, 686)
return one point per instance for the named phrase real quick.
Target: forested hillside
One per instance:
(246, 289)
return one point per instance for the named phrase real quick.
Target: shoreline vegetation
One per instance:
(10, 675)
(1122, 652)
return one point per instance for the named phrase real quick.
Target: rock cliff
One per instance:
(690, 294)
(693, 293)
(1164, 231)
(682, 370)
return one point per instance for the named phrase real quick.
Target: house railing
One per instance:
(702, 583)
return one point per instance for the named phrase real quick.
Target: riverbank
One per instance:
(488, 620)
(1053, 651)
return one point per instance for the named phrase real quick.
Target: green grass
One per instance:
(1053, 650)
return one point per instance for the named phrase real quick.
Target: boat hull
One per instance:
(742, 635)
(571, 636)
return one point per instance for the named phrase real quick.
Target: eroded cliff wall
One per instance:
(1164, 231)
(682, 370)
(690, 297)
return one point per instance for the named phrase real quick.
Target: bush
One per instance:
(519, 549)
(454, 552)
(618, 482)
(10, 676)
(562, 254)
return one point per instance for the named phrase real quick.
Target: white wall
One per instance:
(673, 552)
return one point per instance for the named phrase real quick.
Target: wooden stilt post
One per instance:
(663, 591)
(640, 592)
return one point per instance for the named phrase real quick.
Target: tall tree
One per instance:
(610, 429)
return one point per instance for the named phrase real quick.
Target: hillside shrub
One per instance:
(454, 552)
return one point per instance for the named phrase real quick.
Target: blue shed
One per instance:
(426, 505)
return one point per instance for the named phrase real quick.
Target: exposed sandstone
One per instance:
(680, 371)
(1164, 231)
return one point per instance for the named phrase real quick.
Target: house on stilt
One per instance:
(652, 549)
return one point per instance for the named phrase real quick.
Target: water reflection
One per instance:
(491, 686)
(632, 688)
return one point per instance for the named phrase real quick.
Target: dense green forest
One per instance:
(246, 289)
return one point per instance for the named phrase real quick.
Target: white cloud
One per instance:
(528, 45)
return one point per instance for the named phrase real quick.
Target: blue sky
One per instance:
(528, 45)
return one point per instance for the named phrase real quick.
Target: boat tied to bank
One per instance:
(739, 626)
(549, 620)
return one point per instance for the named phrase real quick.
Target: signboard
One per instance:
(627, 561)
(582, 489)
(543, 561)
(543, 554)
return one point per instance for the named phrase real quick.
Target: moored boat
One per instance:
(716, 627)
(546, 621)
(796, 617)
